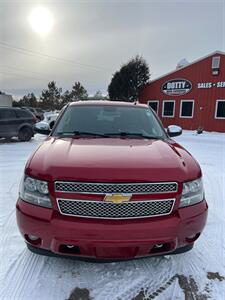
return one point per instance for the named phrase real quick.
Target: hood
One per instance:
(112, 160)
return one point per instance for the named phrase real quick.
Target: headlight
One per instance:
(35, 191)
(193, 193)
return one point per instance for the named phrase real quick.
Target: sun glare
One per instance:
(41, 20)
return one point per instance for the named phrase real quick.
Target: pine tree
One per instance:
(78, 92)
(51, 97)
(127, 82)
(98, 95)
(66, 98)
(27, 100)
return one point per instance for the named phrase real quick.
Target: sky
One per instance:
(90, 40)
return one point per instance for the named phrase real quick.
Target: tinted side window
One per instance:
(7, 114)
(23, 114)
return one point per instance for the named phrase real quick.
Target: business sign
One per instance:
(209, 85)
(176, 87)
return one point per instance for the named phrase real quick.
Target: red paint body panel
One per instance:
(112, 160)
(96, 238)
(199, 72)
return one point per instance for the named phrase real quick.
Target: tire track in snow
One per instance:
(7, 239)
(215, 183)
(63, 276)
(24, 275)
(87, 269)
(86, 278)
(123, 280)
(158, 276)
(124, 285)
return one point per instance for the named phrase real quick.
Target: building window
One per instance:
(220, 109)
(168, 108)
(154, 104)
(215, 65)
(186, 108)
(216, 62)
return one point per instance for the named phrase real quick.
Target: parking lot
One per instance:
(198, 274)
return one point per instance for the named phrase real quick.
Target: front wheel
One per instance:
(8, 139)
(25, 134)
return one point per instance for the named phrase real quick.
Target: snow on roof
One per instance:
(183, 62)
(108, 102)
(188, 65)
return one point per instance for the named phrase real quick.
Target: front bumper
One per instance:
(110, 239)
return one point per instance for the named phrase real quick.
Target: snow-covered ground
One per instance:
(198, 274)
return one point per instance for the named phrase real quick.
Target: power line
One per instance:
(19, 75)
(46, 56)
(50, 78)
(27, 71)
(42, 55)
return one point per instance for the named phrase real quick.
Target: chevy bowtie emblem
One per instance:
(117, 198)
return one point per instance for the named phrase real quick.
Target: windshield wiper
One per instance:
(80, 133)
(77, 132)
(124, 134)
(106, 135)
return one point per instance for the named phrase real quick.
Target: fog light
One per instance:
(192, 238)
(163, 247)
(69, 249)
(33, 237)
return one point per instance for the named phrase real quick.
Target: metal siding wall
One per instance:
(206, 98)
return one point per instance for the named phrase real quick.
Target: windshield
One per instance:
(106, 120)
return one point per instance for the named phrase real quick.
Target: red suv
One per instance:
(110, 183)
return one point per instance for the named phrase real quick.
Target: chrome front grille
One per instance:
(107, 210)
(114, 188)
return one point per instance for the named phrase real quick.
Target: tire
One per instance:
(8, 139)
(25, 134)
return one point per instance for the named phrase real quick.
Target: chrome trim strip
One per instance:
(110, 218)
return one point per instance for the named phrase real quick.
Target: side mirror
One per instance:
(42, 128)
(174, 130)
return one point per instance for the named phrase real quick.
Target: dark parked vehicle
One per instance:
(38, 112)
(16, 122)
